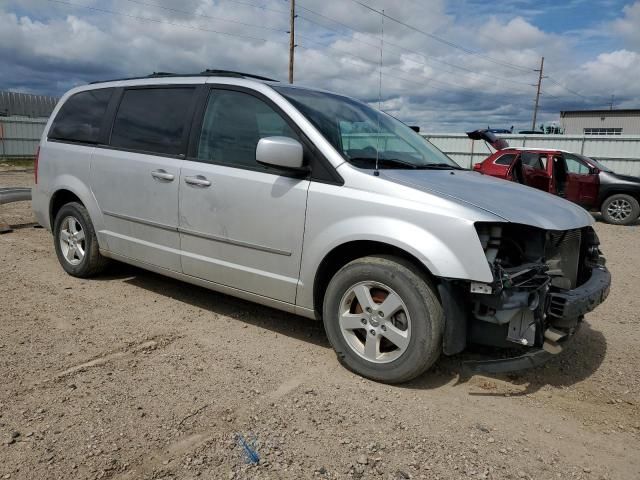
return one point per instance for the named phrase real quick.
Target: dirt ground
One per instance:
(135, 376)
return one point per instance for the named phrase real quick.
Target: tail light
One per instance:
(477, 167)
(35, 166)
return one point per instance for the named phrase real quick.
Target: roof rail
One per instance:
(205, 73)
(231, 73)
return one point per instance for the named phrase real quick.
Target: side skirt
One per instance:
(234, 292)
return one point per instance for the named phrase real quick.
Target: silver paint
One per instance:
(147, 209)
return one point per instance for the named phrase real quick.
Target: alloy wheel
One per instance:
(619, 209)
(72, 240)
(375, 322)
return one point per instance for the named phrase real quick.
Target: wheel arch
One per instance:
(346, 252)
(60, 198)
(69, 188)
(617, 190)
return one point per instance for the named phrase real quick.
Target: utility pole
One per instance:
(292, 39)
(613, 97)
(535, 110)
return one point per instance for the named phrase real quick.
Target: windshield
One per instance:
(362, 135)
(594, 163)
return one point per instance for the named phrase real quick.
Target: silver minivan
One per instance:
(317, 204)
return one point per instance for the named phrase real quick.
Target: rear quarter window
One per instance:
(506, 159)
(80, 117)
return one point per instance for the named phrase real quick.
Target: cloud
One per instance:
(48, 47)
(628, 27)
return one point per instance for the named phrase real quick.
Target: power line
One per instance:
(426, 57)
(163, 22)
(426, 83)
(400, 47)
(255, 5)
(443, 40)
(209, 17)
(307, 19)
(567, 89)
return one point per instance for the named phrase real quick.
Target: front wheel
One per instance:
(620, 209)
(383, 319)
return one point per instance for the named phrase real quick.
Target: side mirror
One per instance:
(280, 152)
(594, 170)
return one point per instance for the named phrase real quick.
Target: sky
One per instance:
(447, 66)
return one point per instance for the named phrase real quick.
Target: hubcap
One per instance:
(619, 209)
(72, 240)
(375, 322)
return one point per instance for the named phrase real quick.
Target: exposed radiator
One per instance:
(563, 257)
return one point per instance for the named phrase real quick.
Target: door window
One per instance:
(535, 160)
(506, 159)
(80, 118)
(233, 124)
(576, 166)
(152, 120)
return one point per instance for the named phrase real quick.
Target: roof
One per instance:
(622, 111)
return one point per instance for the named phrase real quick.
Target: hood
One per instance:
(509, 200)
(489, 137)
(623, 178)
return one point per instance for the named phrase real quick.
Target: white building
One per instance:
(600, 122)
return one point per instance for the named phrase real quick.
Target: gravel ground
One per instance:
(135, 376)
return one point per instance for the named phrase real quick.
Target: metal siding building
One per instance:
(601, 122)
(22, 120)
(26, 105)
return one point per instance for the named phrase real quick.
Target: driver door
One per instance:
(582, 185)
(241, 224)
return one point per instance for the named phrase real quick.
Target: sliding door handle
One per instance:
(197, 181)
(163, 175)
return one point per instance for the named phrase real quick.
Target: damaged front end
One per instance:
(544, 283)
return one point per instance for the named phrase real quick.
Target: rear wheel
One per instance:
(76, 243)
(383, 319)
(620, 209)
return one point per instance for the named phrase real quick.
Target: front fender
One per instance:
(451, 251)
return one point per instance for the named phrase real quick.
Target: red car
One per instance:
(575, 177)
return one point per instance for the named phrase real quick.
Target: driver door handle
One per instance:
(197, 181)
(163, 175)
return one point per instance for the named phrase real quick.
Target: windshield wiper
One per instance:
(384, 162)
(438, 166)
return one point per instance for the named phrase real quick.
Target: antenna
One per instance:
(376, 172)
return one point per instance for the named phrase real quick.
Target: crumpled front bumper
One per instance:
(575, 303)
(564, 312)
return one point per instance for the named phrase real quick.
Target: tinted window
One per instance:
(80, 118)
(233, 124)
(575, 166)
(152, 120)
(505, 159)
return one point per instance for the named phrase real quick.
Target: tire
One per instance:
(75, 242)
(406, 343)
(620, 209)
